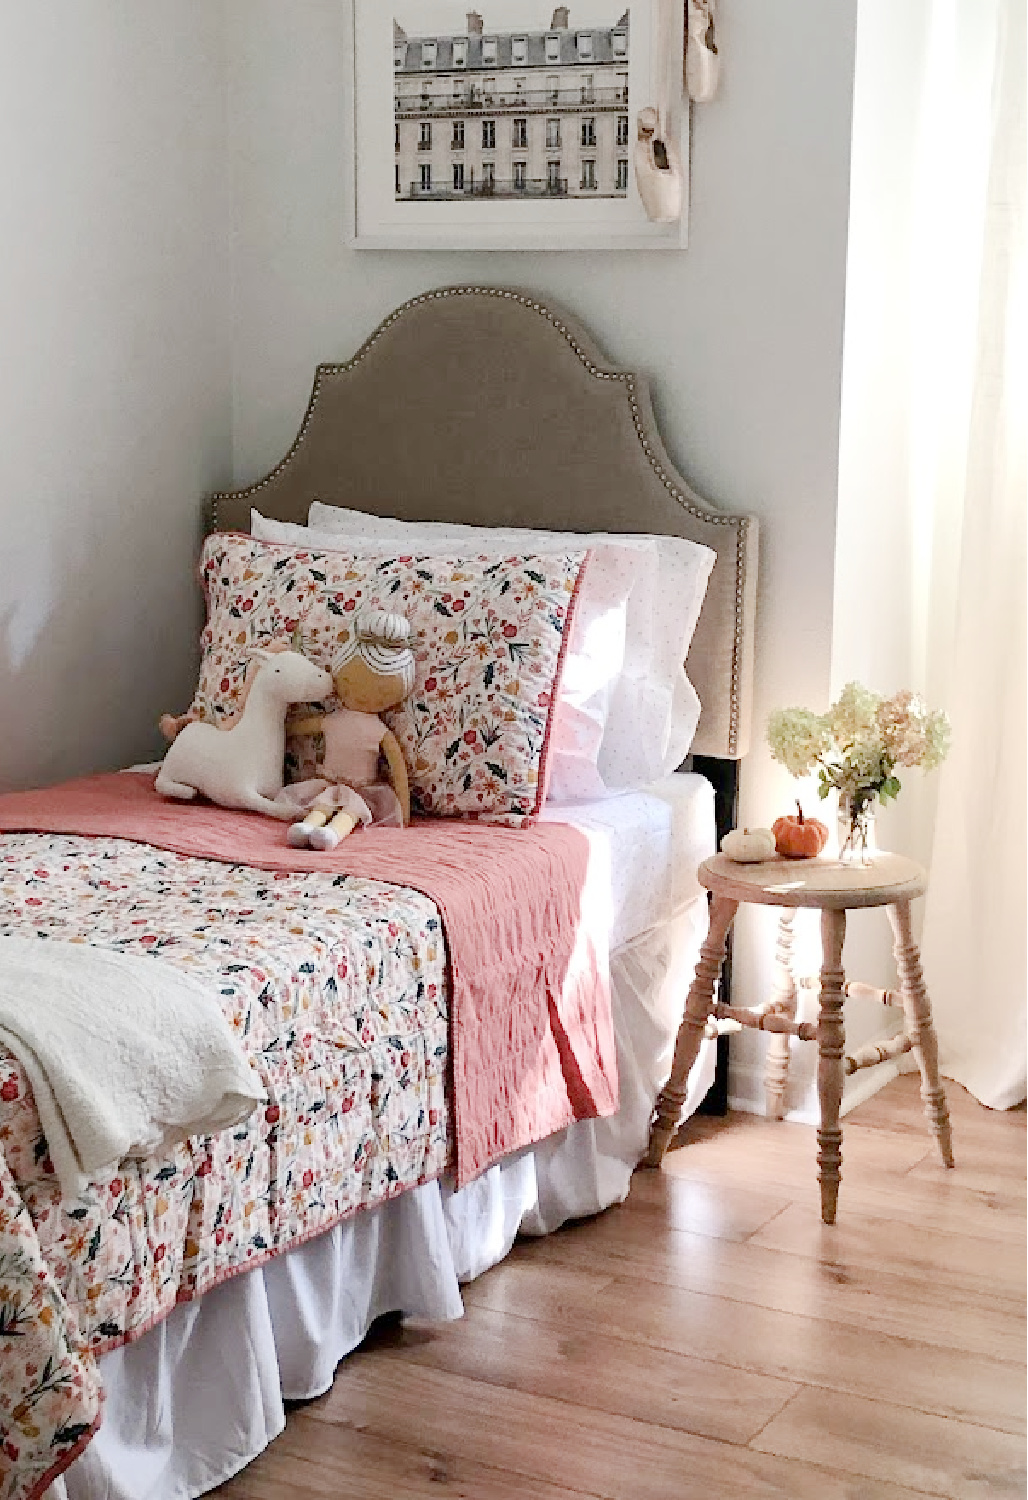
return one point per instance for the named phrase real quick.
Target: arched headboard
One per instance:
(484, 405)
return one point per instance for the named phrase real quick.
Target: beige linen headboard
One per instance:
(486, 406)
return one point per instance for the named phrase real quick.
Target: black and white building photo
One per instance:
(485, 114)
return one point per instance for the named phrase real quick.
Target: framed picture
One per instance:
(513, 127)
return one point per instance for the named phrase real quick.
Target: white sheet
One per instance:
(649, 846)
(215, 1373)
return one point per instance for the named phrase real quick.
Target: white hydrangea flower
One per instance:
(798, 739)
(860, 741)
(853, 714)
(937, 733)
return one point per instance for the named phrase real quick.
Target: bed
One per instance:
(469, 406)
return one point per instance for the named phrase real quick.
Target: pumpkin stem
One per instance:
(799, 809)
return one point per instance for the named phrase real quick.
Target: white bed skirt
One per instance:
(198, 1397)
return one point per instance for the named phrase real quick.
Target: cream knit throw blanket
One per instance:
(126, 1055)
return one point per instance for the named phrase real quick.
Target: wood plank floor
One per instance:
(710, 1339)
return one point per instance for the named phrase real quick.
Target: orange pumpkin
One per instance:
(799, 837)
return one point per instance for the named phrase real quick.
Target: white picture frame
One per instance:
(528, 193)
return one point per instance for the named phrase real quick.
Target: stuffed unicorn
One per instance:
(243, 766)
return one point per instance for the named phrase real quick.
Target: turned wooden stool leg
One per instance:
(783, 1000)
(831, 1039)
(690, 1033)
(918, 1013)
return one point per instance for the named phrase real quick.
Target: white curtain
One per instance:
(973, 595)
(930, 569)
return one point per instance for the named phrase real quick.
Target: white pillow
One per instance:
(653, 707)
(596, 647)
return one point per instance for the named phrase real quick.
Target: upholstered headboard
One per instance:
(484, 405)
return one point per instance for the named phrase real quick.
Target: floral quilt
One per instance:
(336, 986)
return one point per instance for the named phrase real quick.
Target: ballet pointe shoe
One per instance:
(658, 170)
(702, 63)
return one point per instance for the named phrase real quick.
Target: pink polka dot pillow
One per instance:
(489, 639)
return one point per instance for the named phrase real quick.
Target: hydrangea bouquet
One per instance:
(857, 746)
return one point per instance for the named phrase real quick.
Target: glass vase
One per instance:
(857, 845)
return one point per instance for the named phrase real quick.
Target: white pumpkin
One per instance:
(749, 846)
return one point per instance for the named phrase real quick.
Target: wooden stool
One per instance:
(833, 889)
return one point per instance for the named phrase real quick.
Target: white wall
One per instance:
(114, 368)
(741, 335)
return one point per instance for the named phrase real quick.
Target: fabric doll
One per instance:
(372, 671)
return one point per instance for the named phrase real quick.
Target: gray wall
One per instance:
(114, 371)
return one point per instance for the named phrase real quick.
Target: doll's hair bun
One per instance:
(379, 627)
(382, 641)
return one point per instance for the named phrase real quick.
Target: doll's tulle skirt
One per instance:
(375, 806)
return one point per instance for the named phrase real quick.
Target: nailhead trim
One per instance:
(681, 497)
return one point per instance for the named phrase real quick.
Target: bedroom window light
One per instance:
(553, 87)
(621, 86)
(489, 52)
(588, 175)
(519, 135)
(426, 176)
(589, 131)
(553, 49)
(584, 44)
(397, 146)
(622, 130)
(460, 52)
(619, 43)
(458, 177)
(488, 135)
(397, 168)
(621, 183)
(519, 51)
(457, 143)
(520, 169)
(489, 88)
(428, 54)
(553, 135)
(425, 138)
(553, 176)
(588, 88)
(488, 176)
(399, 54)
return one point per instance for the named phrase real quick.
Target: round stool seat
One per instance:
(823, 883)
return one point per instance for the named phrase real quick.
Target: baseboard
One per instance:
(746, 1091)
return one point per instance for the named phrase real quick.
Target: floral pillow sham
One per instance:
(489, 639)
(653, 709)
(590, 686)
